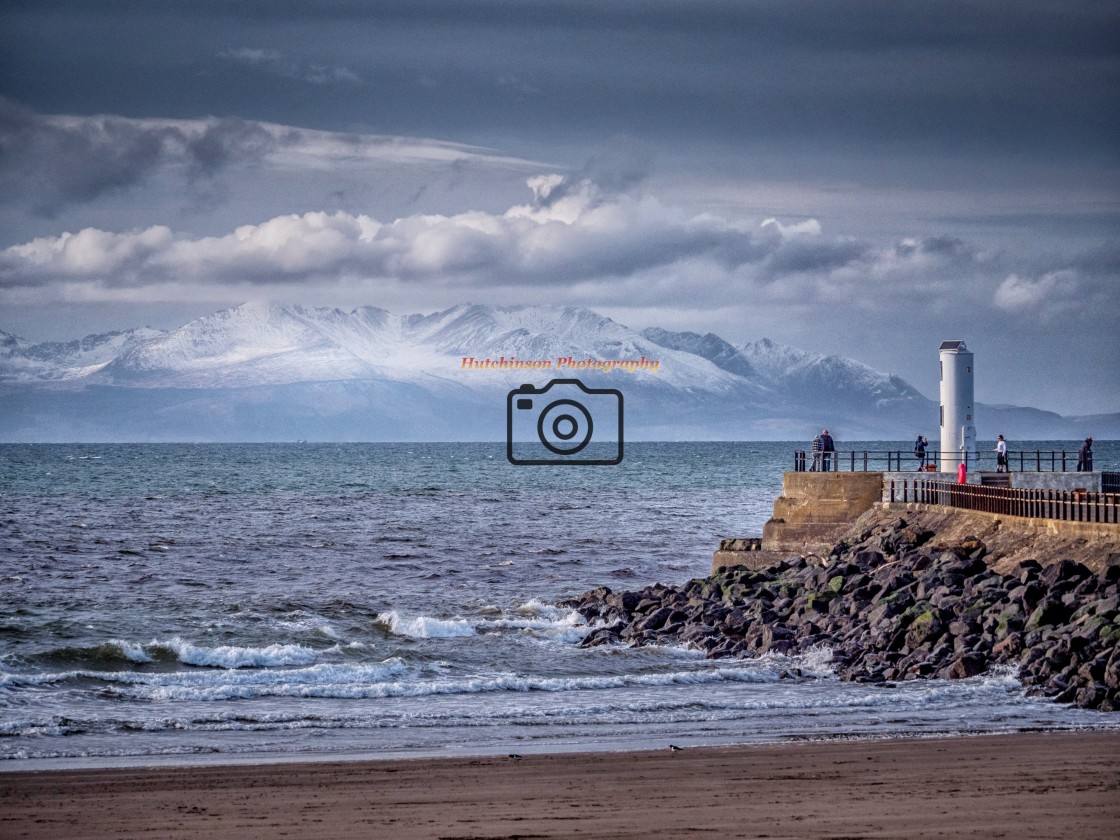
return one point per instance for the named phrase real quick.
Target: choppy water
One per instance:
(171, 602)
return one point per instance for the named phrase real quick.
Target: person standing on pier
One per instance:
(1001, 455)
(1085, 456)
(827, 448)
(816, 450)
(920, 452)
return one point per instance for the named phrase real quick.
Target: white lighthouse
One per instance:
(958, 434)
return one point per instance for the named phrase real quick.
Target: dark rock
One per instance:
(1027, 570)
(971, 547)
(629, 601)
(1028, 594)
(1050, 611)
(1090, 695)
(1111, 571)
(1008, 648)
(1111, 676)
(600, 636)
(1063, 570)
(963, 628)
(966, 666)
(925, 628)
(655, 620)
(696, 633)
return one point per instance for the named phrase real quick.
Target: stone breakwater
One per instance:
(893, 603)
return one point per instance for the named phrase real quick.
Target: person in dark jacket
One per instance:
(920, 452)
(1085, 456)
(828, 446)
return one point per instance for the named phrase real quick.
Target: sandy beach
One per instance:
(1037, 785)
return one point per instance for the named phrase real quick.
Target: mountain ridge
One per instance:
(266, 370)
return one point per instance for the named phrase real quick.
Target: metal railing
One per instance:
(1066, 505)
(899, 460)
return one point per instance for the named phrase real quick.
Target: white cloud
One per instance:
(1052, 290)
(578, 236)
(88, 253)
(809, 227)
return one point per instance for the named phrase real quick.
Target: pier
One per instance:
(816, 508)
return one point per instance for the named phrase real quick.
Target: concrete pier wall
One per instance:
(810, 515)
(1090, 481)
(816, 509)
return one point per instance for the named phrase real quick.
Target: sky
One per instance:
(866, 178)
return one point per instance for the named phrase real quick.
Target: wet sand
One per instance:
(1027, 785)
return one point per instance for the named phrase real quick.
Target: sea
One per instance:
(201, 603)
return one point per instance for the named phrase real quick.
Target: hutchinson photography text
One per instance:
(562, 363)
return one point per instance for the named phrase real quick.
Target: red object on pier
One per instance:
(962, 474)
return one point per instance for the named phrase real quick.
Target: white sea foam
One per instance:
(232, 656)
(542, 620)
(324, 673)
(131, 651)
(305, 623)
(536, 618)
(425, 627)
(393, 679)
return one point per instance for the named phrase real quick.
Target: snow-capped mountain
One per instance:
(272, 344)
(273, 371)
(790, 370)
(61, 360)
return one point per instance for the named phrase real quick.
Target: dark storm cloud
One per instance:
(810, 255)
(862, 83)
(947, 246)
(51, 163)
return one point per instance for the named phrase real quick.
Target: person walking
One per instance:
(1001, 455)
(1085, 456)
(828, 446)
(920, 452)
(816, 450)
